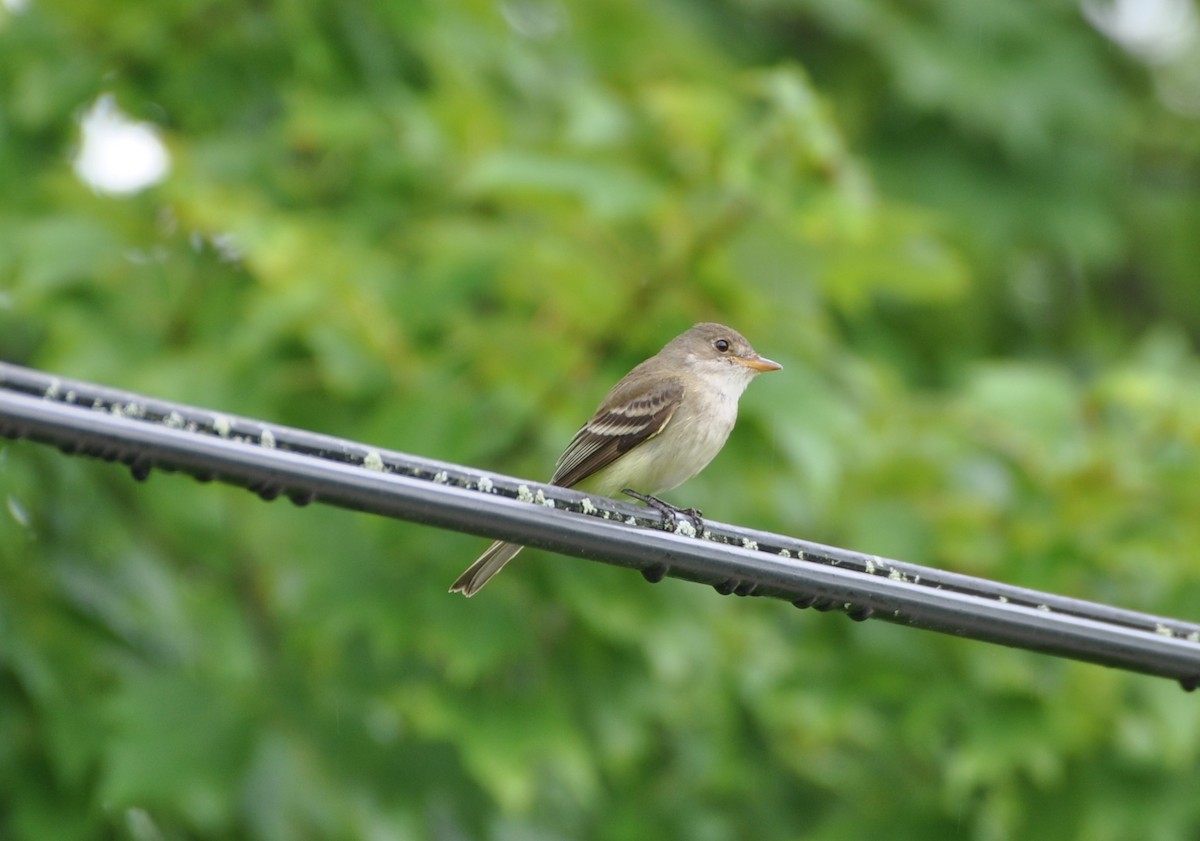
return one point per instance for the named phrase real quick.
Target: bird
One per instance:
(659, 426)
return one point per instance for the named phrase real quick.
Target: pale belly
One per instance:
(679, 452)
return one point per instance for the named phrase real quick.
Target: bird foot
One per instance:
(669, 511)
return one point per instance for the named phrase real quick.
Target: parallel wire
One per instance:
(271, 460)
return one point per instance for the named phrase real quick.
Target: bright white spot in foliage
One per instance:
(1155, 30)
(119, 155)
(18, 512)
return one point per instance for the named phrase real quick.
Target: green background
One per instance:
(969, 230)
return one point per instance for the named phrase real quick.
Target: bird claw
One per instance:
(670, 512)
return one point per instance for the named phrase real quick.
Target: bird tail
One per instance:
(488, 564)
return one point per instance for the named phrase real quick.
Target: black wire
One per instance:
(146, 433)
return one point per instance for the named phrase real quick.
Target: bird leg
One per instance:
(668, 510)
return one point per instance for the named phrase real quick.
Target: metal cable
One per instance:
(146, 434)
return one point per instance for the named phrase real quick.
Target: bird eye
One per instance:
(721, 345)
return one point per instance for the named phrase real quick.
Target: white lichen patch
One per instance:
(1194, 636)
(1045, 608)
(586, 506)
(631, 521)
(1163, 631)
(485, 484)
(373, 461)
(870, 567)
(784, 553)
(524, 494)
(267, 439)
(441, 477)
(70, 397)
(174, 421)
(895, 575)
(747, 543)
(1003, 600)
(685, 528)
(541, 499)
(51, 392)
(222, 426)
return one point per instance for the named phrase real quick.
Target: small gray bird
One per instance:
(658, 427)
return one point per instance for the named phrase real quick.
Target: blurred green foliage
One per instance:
(968, 230)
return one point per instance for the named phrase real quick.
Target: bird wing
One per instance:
(625, 419)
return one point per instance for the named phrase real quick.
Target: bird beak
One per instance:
(759, 363)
